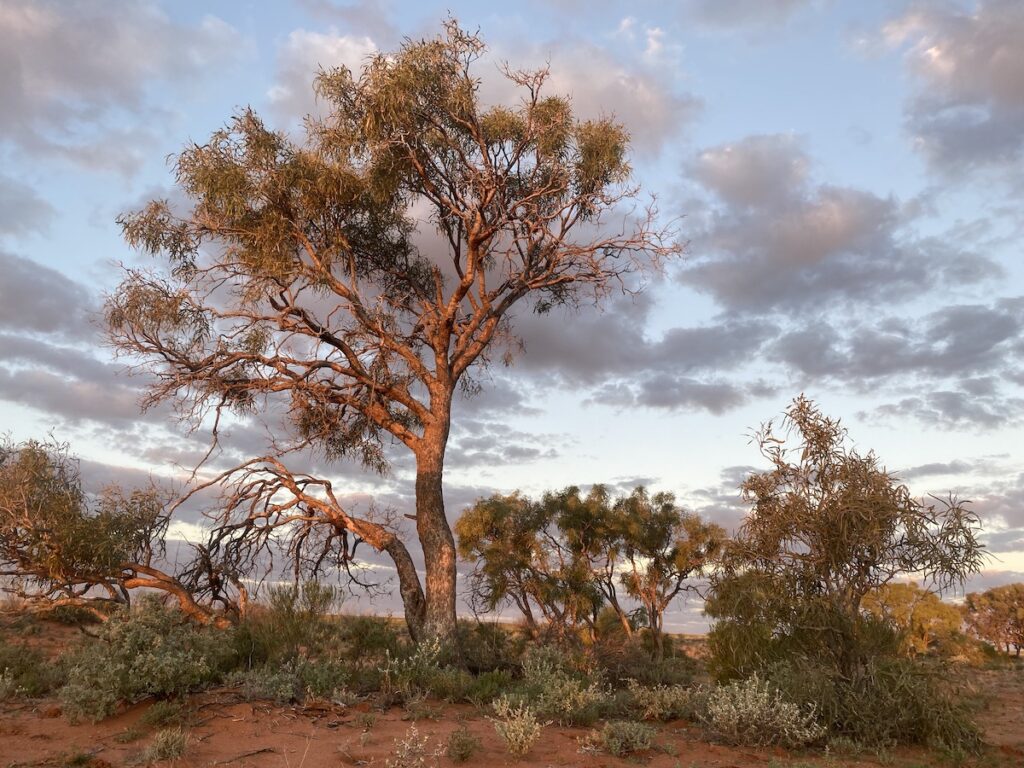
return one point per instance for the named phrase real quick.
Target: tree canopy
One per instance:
(356, 277)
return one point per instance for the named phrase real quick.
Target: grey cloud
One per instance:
(968, 342)
(776, 242)
(36, 298)
(969, 64)
(954, 408)
(600, 84)
(672, 393)
(731, 14)
(71, 72)
(22, 211)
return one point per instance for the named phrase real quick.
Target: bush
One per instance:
(517, 726)
(623, 737)
(461, 745)
(665, 702)
(410, 752)
(278, 683)
(369, 639)
(151, 651)
(163, 713)
(889, 702)
(292, 623)
(751, 713)
(24, 671)
(554, 690)
(166, 745)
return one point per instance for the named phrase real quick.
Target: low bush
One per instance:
(168, 744)
(24, 671)
(292, 623)
(150, 651)
(516, 725)
(622, 737)
(888, 702)
(162, 714)
(665, 702)
(410, 752)
(280, 683)
(752, 713)
(556, 689)
(461, 745)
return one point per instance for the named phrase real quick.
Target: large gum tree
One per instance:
(300, 276)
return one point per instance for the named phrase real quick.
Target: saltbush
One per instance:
(149, 651)
(887, 702)
(25, 671)
(516, 725)
(555, 690)
(752, 713)
(664, 702)
(622, 737)
(461, 745)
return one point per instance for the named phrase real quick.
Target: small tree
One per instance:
(997, 616)
(59, 546)
(296, 277)
(827, 526)
(924, 622)
(569, 554)
(521, 557)
(663, 549)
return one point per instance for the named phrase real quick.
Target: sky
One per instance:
(849, 178)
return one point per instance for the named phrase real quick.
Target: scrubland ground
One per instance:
(225, 726)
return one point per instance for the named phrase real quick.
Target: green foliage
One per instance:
(924, 623)
(461, 745)
(163, 713)
(278, 682)
(996, 616)
(564, 558)
(168, 744)
(292, 623)
(665, 702)
(25, 671)
(827, 526)
(888, 702)
(623, 737)
(752, 713)
(554, 689)
(150, 651)
(516, 725)
(55, 536)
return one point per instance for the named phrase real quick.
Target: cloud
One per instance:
(22, 211)
(35, 298)
(968, 111)
(774, 241)
(74, 72)
(304, 54)
(732, 14)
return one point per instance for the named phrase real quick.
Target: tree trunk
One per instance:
(435, 535)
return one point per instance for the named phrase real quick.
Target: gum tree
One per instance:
(298, 277)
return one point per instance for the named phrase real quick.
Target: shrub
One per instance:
(151, 651)
(517, 726)
(751, 713)
(26, 672)
(888, 702)
(369, 638)
(166, 745)
(554, 691)
(623, 737)
(292, 623)
(488, 686)
(410, 752)
(163, 713)
(278, 683)
(664, 702)
(461, 745)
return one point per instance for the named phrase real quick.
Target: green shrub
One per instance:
(24, 671)
(489, 646)
(322, 677)
(369, 639)
(750, 712)
(888, 702)
(665, 702)
(555, 690)
(623, 737)
(461, 745)
(150, 651)
(280, 683)
(168, 744)
(163, 713)
(516, 725)
(292, 623)
(410, 752)
(488, 686)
